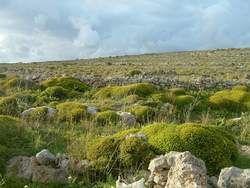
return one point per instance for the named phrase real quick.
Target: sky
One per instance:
(41, 30)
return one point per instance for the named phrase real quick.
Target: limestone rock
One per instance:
(177, 170)
(137, 184)
(234, 178)
(127, 118)
(44, 157)
(19, 167)
(92, 110)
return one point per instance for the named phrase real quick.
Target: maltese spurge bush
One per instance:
(71, 111)
(241, 88)
(143, 114)
(17, 83)
(14, 140)
(107, 117)
(110, 153)
(208, 143)
(9, 106)
(183, 100)
(135, 152)
(140, 89)
(68, 83)
(231, 100)
(177, 91)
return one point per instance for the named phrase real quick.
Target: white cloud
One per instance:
(52, 29)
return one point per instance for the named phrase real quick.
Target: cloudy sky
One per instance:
(39, 30)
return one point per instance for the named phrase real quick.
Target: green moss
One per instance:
(9, 106)
(143, 113)
(231, 100)
(107, 117)
(140, 89)
(71, 111)
(68, 83)
(17, 83)
(183, 100)
(208, 143)
(14, 140)
(177, 91)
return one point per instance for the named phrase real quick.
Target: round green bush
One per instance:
(177, 91)
(135, 72)
(143, 114)
(17, 83)
(68, 83)
(107, 117)
(163, 97)
(135, 152)
(56, 93)
(241, 88)
(211, 144)
(2, 76)
(9, 106)
(71, 111)
(103, 153)
(15, 140)
(231, 100)
(39, 114)
(140, 89)
(183, 100)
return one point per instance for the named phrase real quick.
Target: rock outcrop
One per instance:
(234, 178)
(44, 168)
(178, 170)
(127, 118)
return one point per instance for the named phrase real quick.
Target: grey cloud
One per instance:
(52, 29)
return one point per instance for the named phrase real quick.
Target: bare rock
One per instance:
(177, 170)
(137, 184)
(44, 157)
(19, 167)
(234, 178)
(127, 118)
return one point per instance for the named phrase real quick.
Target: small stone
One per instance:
(44, 157)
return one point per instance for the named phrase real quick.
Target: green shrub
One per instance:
(68, 83)
(143, 114)
(56, 93)
(17, 83)
(241, 88)
(9, 106)
(135, 152)
(163, 97)
(177, 91)
(130, 99)
(107, 117)
(71, 111)
(208, 143)
(183, 100)
(39, 114)
(135, 72)
(14, 140)
(2, 76)
(140, 89)
(110, 153)
(103, 153)
(231, 100)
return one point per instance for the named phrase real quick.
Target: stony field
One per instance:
(145, 119)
